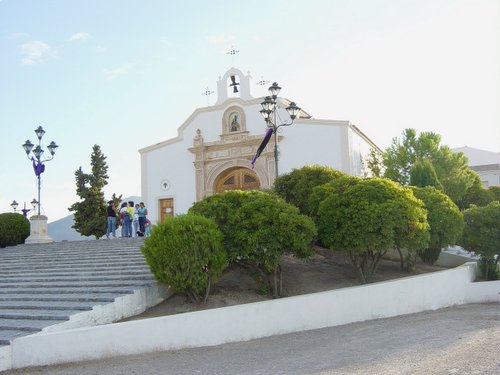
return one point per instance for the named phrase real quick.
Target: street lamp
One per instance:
(25, 210)
(14, 205)
(37, 159)
(270, 113)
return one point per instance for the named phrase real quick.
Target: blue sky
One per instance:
(126, 74)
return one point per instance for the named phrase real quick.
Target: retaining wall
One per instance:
(256, 320)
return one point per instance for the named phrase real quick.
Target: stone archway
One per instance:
(238, 178)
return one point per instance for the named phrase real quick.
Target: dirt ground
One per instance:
(325, 270)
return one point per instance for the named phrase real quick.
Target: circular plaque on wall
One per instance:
(165, 185)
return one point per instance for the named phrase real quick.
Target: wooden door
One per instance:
(166, 208)
(237, 179)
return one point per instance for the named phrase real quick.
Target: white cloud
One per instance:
(219, 38)
(119, 71)
(79, 37)
(35, 52)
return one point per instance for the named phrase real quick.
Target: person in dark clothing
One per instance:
(111, 213)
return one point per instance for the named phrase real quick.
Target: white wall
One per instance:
(306, 143)
(255, 320)
(358, 150)
(489, 178)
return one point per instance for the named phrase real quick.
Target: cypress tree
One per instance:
(90, 211)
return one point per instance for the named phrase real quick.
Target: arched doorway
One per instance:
(237, 179)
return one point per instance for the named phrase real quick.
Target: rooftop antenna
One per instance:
(207, 93)
(232, 52)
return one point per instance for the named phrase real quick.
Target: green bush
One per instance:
(337, 185)
(370, 217)
(482, 235)
(296, 187)
(186, 253)
(445, 220)
(258, 228)
(14, 229)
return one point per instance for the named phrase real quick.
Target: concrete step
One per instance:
(77, 268)
(43, 285)
(55, 271)
(74, 290)
(76, 284)
(71, 279)
(47, 305)
(27, 325)
(70, 262)
(37, 315)
(102, 297)
(80, 265)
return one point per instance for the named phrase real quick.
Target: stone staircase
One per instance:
(45, 286)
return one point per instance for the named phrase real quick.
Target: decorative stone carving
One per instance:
(211, 159)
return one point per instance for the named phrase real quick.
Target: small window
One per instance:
(249, 179)
(229, 181)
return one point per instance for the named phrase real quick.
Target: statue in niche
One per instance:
(234, 122)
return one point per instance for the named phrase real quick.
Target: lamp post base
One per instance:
(38, 230)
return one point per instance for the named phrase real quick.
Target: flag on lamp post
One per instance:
(263, 145)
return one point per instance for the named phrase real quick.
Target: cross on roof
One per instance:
(232, 52)
(262, 82)
(207, 93)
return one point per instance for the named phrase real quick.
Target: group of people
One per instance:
(131, 216)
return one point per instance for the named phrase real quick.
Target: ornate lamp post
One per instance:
(25, 210)
(273, 121)
(38, 223)
(14, 205)
(37, 157)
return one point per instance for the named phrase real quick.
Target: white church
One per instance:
(214, 148)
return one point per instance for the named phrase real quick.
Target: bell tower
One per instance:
(233, 84)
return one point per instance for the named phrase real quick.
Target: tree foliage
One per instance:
(423, 174)
(375, 163)
(476, 194)
(402, 154)
(258, 228)
(14, 229)
(370, 217)
(445, 221)
(90, 211)
(337, 185)
(482, 235)
(451, 168)
(494, 193)
(296, 186)
(186, 253)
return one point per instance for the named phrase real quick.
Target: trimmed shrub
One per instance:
(186, 253)
(258, 228)
(369, 218)
(337, 185)
(445, 220)
(482, 235)
(296, 187)
(14, 229)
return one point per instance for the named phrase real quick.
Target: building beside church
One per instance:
(215, 146)
(485, 163)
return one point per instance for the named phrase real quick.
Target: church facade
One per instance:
(214, 148)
